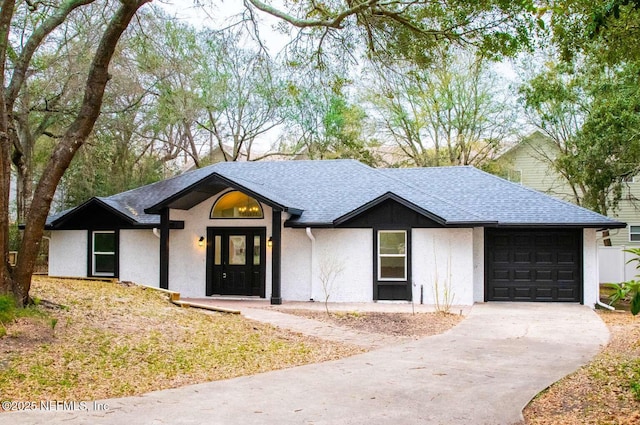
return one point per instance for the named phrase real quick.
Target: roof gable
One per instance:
(94, 214)
(389, 210)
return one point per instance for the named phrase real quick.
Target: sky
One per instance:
(224, 13)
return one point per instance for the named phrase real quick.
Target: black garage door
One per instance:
(533, 265)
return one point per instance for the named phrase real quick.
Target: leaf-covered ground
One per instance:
(394, 324)
(100, 340)
(606, 391)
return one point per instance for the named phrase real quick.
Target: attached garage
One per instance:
(533, 265)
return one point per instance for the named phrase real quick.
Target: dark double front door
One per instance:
(236, 261)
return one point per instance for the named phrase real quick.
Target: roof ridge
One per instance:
(414, 187)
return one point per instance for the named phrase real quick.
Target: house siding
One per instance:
(536, 173)
(535, 170)
(628, 211)
(68, 253)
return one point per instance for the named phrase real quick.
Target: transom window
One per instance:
(236, 204)
(392, 255)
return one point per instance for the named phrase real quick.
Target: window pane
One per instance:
(217, 250)
(237, 250)
(392, 242)
(392, 268)
(104, 263)
(236, 205)
(104, 242)
(256, 250)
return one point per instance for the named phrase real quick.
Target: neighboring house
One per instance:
(528, 163)
(276, 230)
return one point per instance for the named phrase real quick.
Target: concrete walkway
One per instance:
(484, 371)
(261, 311)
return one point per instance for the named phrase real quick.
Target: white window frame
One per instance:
(94, 253)
(636, 233)
(380, 256)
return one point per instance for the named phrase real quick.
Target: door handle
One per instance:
(224, 275)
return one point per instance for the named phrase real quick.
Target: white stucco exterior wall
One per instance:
(445, 255)
(478, 264)
(187, 260)
(68, 253)
(351, 252)
(296, 266)
(591, 286)
(140, 257)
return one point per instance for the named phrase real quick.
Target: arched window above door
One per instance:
(236, 204)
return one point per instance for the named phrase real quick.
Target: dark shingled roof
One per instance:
(322, 193)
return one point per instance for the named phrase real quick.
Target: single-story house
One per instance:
(298, 230)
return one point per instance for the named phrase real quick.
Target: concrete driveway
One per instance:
(484, 371)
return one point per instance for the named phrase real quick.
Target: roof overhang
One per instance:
(64, 220)
(597, 226)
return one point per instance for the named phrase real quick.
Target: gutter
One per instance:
(313, 261)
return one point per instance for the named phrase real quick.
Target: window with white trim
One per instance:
(103, 253)
(634, 233)
(392, 255)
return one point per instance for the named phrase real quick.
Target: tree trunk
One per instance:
(6, 281)
(75, 135)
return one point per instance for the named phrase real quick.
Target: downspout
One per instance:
(313, 261)
(598, 302)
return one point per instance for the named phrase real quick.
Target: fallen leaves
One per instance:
(394, 324)
(113, 340)
(605, 391)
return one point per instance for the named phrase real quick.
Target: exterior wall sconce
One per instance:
(201, 241)
(270, 241)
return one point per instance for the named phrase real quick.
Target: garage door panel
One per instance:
(522, 293)
(566, 258)
(519, 240)
(501, 256)
(544, 240)
(501, 241)
(525, 275)
(544, 294)
(534, 265)
(544, 257)
(501, 274)
(567, 276)
(500, 293)
(544, 276)
(522, 257)
(567, 294)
